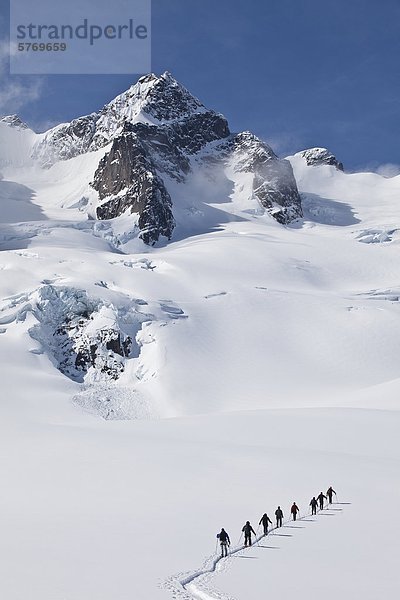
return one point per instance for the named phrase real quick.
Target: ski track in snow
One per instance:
(185, 586)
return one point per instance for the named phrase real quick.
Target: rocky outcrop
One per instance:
(164, 99)
(320, 156)
(274, 184)
(152, 100)
(127, 178)
(193, 133)
(81, 334)
(66, 141)
(158, 131)
(103, 351)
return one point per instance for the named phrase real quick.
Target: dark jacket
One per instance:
(279, 513)
(295, 509)
(265, 519)
(313, 502)
(224, 537)
(247, 529)
(321, 496)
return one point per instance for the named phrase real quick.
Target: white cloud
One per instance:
(384, 169)
(388, 170)
(41, 125)
(15, 91)
(285, 143)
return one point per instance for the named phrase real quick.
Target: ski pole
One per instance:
(257, 540)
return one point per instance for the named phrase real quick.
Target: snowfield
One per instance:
(127, 509)
(263, 367)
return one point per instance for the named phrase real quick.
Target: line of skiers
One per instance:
(265, 521)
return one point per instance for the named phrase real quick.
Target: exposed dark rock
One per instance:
(274, 184)
(161, 146)
(81, 333)
(158, 130)
(127, 176)
(193, 133)
(320, 156)
(162, 98)
(78, 351)
(166, 99)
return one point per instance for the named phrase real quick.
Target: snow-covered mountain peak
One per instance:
(320, 156)
(153, 100)
(152, 137)
(163, 98)
(16, 143)
(157, 98)
(253, 148)
(14, 121)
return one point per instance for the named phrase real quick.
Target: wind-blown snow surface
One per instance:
(272, 347)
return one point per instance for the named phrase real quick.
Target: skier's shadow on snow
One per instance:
(269, 547)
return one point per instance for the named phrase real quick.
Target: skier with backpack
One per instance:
(265, 520)
(279, 516)
(247, 530)
(224, 542)
(294, 510)
(330, 493)
(313, 505)
(320, 499)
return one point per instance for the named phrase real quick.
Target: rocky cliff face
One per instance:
(320, 156)
(128, 178)
(157, 131)
(274, 184)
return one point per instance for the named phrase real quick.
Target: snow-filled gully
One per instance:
(184, 586)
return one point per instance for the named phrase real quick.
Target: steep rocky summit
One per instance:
(157, 132)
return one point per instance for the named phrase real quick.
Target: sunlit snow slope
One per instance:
(266, 342)
(236, 312)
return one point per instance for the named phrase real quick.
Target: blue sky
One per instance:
(298, 73)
